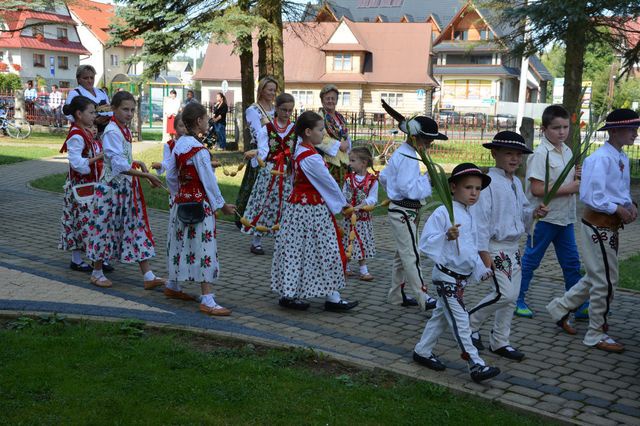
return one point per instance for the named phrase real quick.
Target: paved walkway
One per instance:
(559, 377)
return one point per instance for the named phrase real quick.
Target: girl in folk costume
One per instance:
(336, 143)
(119, 227)
(361, 190)
(273, 184)
(256, 116)
(309, 258)
(85, 166)
(191, 245)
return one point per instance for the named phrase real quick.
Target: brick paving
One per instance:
(559, 377)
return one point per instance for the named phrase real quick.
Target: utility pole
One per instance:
(524, 71)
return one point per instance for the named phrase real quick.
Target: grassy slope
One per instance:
(15, 154)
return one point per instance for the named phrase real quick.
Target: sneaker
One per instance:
(509, 352)
(431, 362)
(523, 310)
(582, 313)
(479, 372)
(477, 341)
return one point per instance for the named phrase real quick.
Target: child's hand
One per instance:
(215, 163)
(541, 211)
(344, 145)
(488, 274)
(156, 166)
(250, 154)
(453, 233)
(578, 174)
(228, 208)
(142, 166)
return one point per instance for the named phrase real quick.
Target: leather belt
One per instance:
(601, 220)
(451, 273)
(408, 204)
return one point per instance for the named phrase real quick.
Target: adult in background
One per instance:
(190, 98)
(30, 93)
(336, 144)
(86, 76)
(170, 109)
(257, 115)
(220, 110)
(55, 103)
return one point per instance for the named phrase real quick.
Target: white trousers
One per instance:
(406, 261)
(501, 301)
(600, 259)
(449, 311)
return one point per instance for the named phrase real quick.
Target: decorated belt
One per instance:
(601, 220)
(408, 204)
(451, 273)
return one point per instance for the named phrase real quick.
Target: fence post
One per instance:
(19, 106)
(526, 130)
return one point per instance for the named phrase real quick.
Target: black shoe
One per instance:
(429, 303)
(82, 267)
(477, 342)
(509, 352)
(408, 301)
(296, 304)
(341, 306)
(483, 372)
(106, 267)
(431, 362)
(257, 250)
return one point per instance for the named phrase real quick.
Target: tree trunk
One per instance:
(270, 48)
(575, 42)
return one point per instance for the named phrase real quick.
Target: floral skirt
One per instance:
(74, 230)
(192, 251)
(117, 229)
(364, 245)
(306, 259)
(269, 205)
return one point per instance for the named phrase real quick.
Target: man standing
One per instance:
(30, 94)
(55, 103)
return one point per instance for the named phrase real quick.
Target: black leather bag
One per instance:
(190, 213)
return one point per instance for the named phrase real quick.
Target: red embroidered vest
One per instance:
(303, 191)
(191, 188)
(355, 192)
(279, 147)
(91, 148)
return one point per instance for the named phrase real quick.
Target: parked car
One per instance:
(448, 117)
(156, 112)
(475, 119)
(504, 120)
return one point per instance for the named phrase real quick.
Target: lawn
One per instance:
(16, 154)
(629, 271)
(119, 373)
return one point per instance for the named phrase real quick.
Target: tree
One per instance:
(575, 24)
(270, 46)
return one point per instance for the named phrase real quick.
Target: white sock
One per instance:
(333, 297)
(364, 270)
(76, 257)
(97, 273)
(257, 241)
(173, 285)
(148, 276)
(208, 300)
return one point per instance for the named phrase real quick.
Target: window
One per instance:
(469, 59)
(461, 35)
(64, 84)
(346, 99)
(38, 60)
(467, 89)
(37, 30)
(63, 62)
(393, 99)
(304, 98)
(62, 33)
(114, 60)
(342, 62)
(486, 34)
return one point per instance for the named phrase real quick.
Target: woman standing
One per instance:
(220, 110)
(86, 75)
(257, 115)
(171, 107)
(336, 143)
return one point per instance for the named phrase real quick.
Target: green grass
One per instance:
(16, 154)
(629, 271)
(119, 373)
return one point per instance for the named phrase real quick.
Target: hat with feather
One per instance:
(419, 125)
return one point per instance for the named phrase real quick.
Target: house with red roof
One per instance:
(41, 43)
(93, 20)
(366, 61)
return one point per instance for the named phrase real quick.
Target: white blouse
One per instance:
(372, 197)
(263, 142)
(402, 178)
(75, 146)
(318, 174)
(606, 180)
(113, 145)
(99, 97)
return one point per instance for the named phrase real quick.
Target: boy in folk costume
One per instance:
(503, 215)
(336, 143)
(407, 188)
(605, 191)
(454, 250)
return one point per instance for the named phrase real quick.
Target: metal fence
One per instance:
(36, 111)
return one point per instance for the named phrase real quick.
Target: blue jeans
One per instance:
(564, 242)
(221, 135)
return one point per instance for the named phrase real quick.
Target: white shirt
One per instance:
(316, 171)
(256, 120)
(372, 196)
(75, 146)
(113, 142)
(30, 94)
(100, 96)
(562, 210)
(434, 244)
(606, 181)
(502, 213)
(55, 100)
(263, 142)
(402, 178)
(171, 106)
(202, 162)
(166, 153)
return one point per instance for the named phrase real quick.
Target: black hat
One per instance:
(621, 118)
(416, 126)
(469, 169)
(508, 139)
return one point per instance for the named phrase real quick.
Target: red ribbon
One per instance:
(279, 161)
(137, 187)
(343, 255)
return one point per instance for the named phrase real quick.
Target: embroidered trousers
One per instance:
(501, 301)
(449, 311)
(600, 258)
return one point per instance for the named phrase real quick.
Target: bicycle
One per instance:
(17, 129)
(383, 149)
